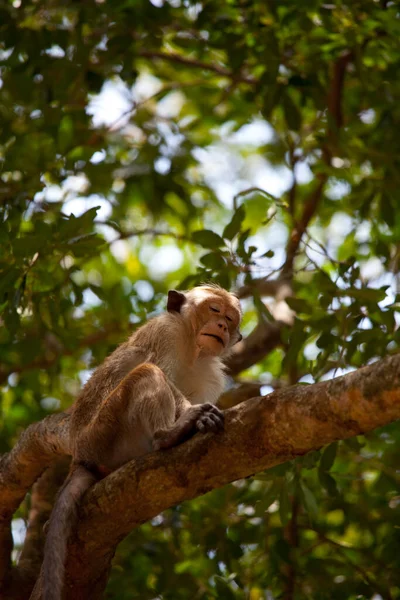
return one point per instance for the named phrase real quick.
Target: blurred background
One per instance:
(255, 144)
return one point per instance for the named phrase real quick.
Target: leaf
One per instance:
(8, 280)
(85, 245)
(310, 502)
(71, 226)
(207, 238)
(223, 588)
(268, 254)
(292, 113)
(214, 261)
(354, 443)
(328, 482)
(268, 496)
(26, 246)
(299, 305)
(367, 294)
(233, 227)
(328, 457)
(262, 308)
(325, 340)
(309, 460)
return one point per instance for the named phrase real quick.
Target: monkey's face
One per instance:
(219, 322)
(214, 315)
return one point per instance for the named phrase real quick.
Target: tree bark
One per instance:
(259, 434)
(36, 449)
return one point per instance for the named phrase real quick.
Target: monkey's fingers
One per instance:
(209, 422)
(205, 424)
(209, 408)
(218, 420)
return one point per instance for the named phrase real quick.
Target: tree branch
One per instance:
(259, 434)
(266, 335)
(263, 339)
(35, 450)
(44, 362)
(335, 121)
(43, 494)
(198, 64)
(301, 225)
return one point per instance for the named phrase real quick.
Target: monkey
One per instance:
(153, 392)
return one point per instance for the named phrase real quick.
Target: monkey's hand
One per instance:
(200, 417)
(210, 418)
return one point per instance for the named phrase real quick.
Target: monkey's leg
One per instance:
(144, 412)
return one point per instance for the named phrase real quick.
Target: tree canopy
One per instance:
(149, 145)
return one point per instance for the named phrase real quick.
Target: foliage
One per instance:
(255, 139)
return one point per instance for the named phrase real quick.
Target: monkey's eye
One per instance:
(214, 309)
(229, 319)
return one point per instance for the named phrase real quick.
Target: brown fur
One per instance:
(153, 392)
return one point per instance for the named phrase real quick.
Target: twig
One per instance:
(192, 62)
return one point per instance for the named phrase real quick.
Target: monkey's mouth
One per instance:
(220, 340)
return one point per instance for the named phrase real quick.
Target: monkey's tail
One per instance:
(62, 521)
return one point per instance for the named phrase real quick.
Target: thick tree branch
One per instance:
(259, 433)
(22, 579)
(36, 449)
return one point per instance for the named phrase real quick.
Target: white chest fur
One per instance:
(203, 382)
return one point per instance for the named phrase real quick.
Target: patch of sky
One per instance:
(161, 261)
(144, 290)
(50, 403)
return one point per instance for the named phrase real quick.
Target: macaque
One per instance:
(153, 392)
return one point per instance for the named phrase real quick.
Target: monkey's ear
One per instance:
(175, 301)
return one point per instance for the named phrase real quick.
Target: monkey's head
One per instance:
(213, 314)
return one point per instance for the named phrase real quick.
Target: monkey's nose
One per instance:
(222, 325)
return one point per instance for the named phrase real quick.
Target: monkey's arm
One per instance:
(189, 419)
(199, 417)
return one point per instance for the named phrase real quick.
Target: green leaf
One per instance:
(292, 113)
(224, 589)
(328, 457)
(325, 340)
(233, 227)
(354, 443)
(207, 238)
(269, 495)
(268, 254)
(309, 460)
(85, 245)
(367, 294)
(328, 482)
(213, 261)
(262, 308)
(299, 305)
(310, 502)
(27, 245)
